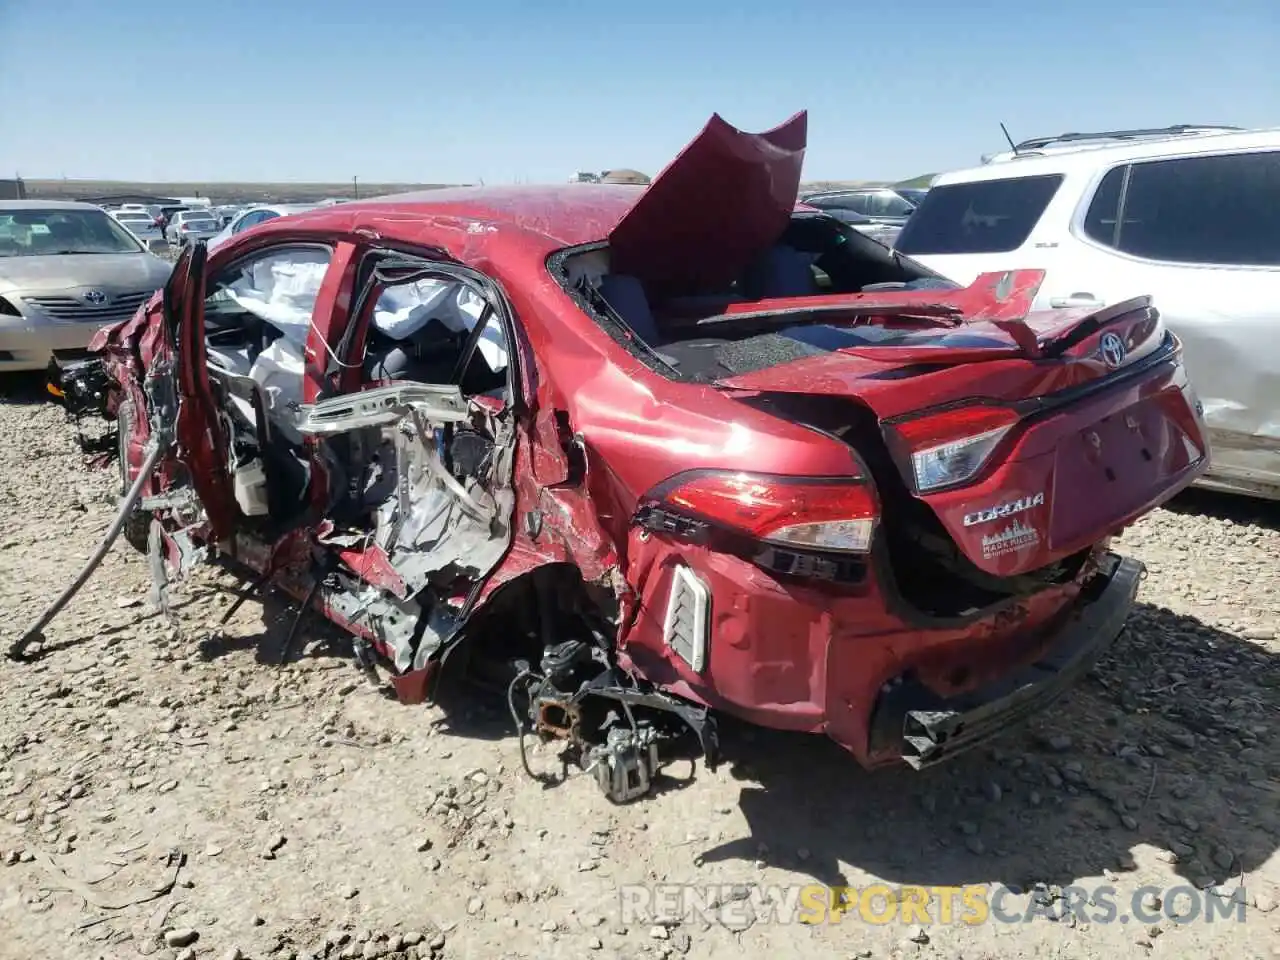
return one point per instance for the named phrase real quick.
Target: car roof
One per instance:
(567, 214)
(848, 191)
(564, 215)
(1091, 156)
(281, 207)
(6, 205)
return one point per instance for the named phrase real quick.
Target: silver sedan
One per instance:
(187, 226)
(141, 225)
(66, 270)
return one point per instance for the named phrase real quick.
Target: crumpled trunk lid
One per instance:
(726, 197)
(1107, 426)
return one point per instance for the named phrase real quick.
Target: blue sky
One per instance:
(398, 90)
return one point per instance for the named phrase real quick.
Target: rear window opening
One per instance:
(986, 216)
(695, 339)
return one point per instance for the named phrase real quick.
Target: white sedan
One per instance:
(256, 215)
(138, 222)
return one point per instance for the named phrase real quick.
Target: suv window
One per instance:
(1102, 219)
(986, 216)
(1212, 210)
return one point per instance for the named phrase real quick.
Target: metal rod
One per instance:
(35, 633)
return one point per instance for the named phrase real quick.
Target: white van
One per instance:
(1188, 215)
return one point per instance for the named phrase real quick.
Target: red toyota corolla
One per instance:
(645, 453)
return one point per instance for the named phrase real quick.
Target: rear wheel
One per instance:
(137, 528)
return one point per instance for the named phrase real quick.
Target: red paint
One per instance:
(411, 687)
(732, 193)
(374, 567)
(598, 429)
(333, 303)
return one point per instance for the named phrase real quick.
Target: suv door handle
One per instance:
(1076, 300)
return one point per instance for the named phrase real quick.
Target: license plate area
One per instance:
(1121, 463)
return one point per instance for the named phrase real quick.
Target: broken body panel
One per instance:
(751, 516)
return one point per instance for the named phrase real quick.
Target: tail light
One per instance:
(824, 513)
(951, 447)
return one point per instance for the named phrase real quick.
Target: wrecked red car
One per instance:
(642, 454)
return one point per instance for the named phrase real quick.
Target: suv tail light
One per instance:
(950, 447)
(807, 513)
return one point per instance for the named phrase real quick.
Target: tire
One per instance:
(137, 528)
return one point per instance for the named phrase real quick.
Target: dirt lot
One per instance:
(168, 791)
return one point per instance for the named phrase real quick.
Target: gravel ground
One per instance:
(168, 791)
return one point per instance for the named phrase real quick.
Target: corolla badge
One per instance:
(96, 297)
(1112, 350)
(1009, 509)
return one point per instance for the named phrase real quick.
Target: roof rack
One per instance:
(1181, 129)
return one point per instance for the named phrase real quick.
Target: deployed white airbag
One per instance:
(282, 289)
(402, 310)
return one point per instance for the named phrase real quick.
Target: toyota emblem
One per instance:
(96, 297)
(1112, 349)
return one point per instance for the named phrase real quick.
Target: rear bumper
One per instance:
(926, 729)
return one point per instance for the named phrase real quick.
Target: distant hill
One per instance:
(284, 191)
(823, 186)
(924, 180)
(280, 192)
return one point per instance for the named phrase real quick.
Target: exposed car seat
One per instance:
(429, 355)
(627, 297)
(781, 271)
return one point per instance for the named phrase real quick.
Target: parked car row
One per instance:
(182, 224)
(152, 222)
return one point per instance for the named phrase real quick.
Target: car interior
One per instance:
(257, 319)
(425, 341)
(815, 256)
(40, 232)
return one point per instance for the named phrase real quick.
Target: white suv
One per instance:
(1190, 216)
